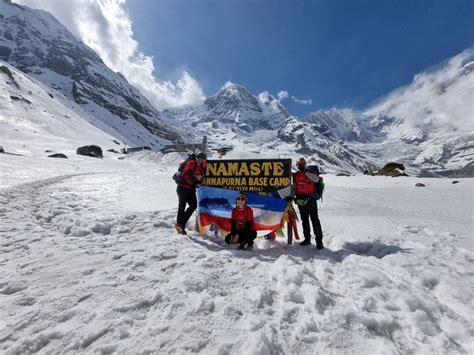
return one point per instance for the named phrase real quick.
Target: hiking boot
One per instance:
(242, 246)
(179, 229)
(319, 244)
(305, 242)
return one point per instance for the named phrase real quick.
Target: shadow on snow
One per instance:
(275, 249)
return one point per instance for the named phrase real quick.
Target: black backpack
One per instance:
(178, 176)
(320, 184)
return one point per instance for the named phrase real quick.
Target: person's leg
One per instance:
(251, 238)
(304, 213)
(181, 204)
(313, 212)
(192, 204)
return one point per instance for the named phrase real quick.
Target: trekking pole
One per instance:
(289, 228)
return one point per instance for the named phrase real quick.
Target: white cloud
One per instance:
(283, 94)
(302, 101)
(439, 100)
(106, 27)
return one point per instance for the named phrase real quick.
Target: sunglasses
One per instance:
(240, 199)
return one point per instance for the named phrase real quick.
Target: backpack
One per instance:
(178, 176)
(320, 184)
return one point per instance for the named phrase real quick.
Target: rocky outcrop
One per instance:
(58, 155)
(90, 151)
(392, 169)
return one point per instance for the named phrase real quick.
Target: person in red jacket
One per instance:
(305, 189)
(242, 224)
(193, 172)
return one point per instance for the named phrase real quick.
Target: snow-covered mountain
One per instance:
(428, 125)
(260, 123)
(233, 107)
(36, 121)
(340, 124)
(37, 44)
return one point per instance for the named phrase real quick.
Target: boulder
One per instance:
(392, 169)
(455, 182)
(419, 184)
(58, 155)
(90, 151)
(1, 149)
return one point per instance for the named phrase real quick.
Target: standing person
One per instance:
(192, 174)
(242, 224)
(305, 189)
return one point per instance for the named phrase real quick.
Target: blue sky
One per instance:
(337, 53)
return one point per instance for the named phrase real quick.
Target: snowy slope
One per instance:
(429, 124)
(90, 263)
(33, 118)
(37, 44)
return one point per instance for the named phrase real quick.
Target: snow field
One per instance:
(90, 263)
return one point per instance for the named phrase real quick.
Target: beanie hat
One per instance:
(201, 155)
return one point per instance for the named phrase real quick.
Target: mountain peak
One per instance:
(233, 97)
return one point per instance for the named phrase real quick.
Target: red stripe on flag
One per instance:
(224, 223)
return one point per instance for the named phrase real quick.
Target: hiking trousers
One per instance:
(246, 237)
(185, 197)
(307, 212)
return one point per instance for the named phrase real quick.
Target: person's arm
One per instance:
(233, 227)
(190, 173)
(249, 221)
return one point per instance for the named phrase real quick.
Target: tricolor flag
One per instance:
(215, 207)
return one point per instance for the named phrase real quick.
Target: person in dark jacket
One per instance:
(193, 173)
(242, 224)
(305, 189)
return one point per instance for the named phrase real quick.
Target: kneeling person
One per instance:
(242, 224)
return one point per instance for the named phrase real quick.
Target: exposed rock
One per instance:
(90, 151)
(392, 169)
(58, 155)
(137, 149)
(1, 149)
(19, 98)
(419, 184)
(4, 69)
(112, 151)
(455, 182)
